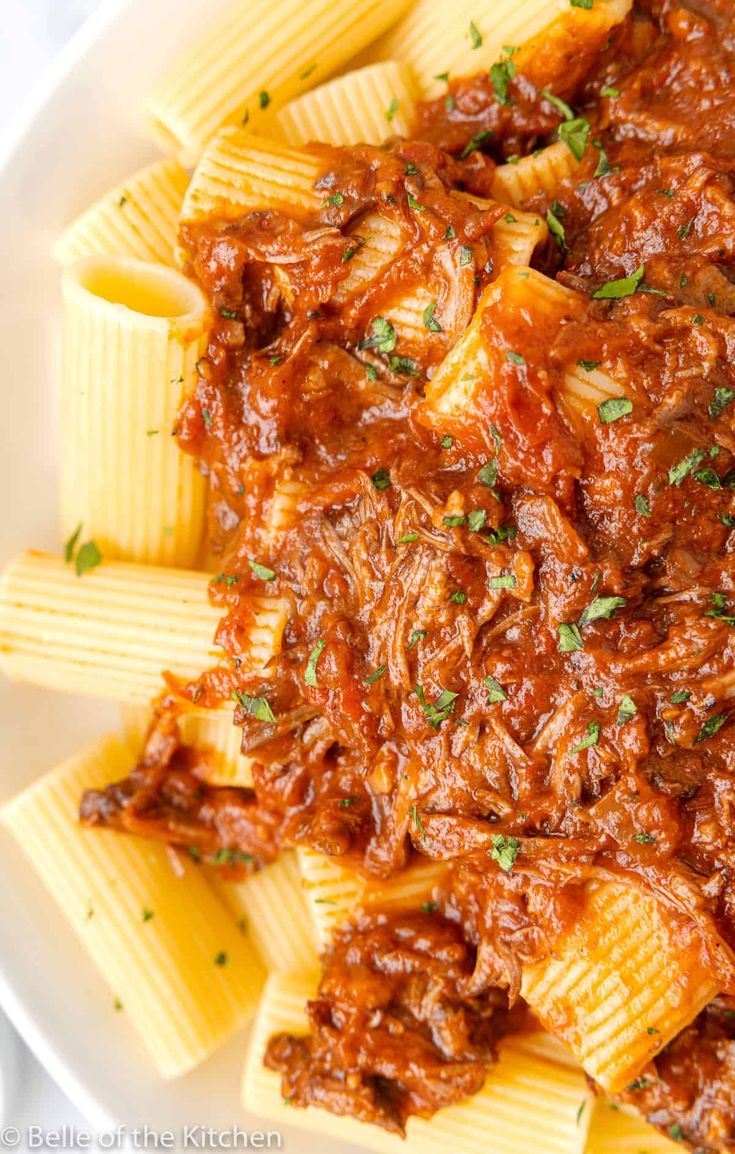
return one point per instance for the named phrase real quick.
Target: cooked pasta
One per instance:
(367, 105)
(133, 335)
(528, 1103)
(270, 906)
(246, 65)
(621, 987)
(138, 218)
(177, 965)
(540, 173)
(616, 1131)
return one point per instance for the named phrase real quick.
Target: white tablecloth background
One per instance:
(33, 31)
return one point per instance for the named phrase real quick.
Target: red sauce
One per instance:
(605, 746)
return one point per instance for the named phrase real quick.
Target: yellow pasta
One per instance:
(381, 240)
(616, 1131)
(212, 730)
(335, 892)
(541, 172)
(177, 964)
(363, 106)
(107, 634)
(271, 906)
(245, 64)
(467, 368)
(624, 970)
(137, 218)
(528, 1103)
(133, 334)
(584, 390)
(111, 632)
(469, 36)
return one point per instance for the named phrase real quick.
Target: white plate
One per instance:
(83, 132)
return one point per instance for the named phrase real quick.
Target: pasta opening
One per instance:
(150, 289)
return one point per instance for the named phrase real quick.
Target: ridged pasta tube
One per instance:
(364, 106)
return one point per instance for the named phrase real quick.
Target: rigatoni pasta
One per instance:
(176, 962)
(367, 105)
(246, 66)
(133, 335)
(138, 218)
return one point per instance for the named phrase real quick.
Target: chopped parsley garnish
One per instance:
(642, 505)
(228, 314)
(575, 133)
(264, 99)
(496, 692)
(411, 169)
(447, 441)
(257, 707)
(350, 251)
(644, 838)
(459, 597)
(626, 709)
(443, 76)
(609, 90)
(677, 473)
(726, 519)
(709, 478)
(414, 811)
(392, 109)
(440, 710)
(616, 289)
(117, 1005)
(416, 636)
(414, 204)
(601, 607)
(640, 1084)
(589, 366)
(583, 1103)
(346, 802)
(450, 234)
(613, 408)
(221, 959)
(515, 358)
(229, 579)
(72, 543)
(504, 581)
(718, 610)
(710, 727)
(722, 398)
(685, 229)
(335, 199)
(148, 915)
(408, 538)
(488, 475)
(603, 164)
(475, 35)
(455, 521)
(504, 851)
(465, 255)
(431, 323)
(371, 372)
(556, 228)
(403, 365)
(476, 142)
(676, 1132)
(476, 520)
(88, 557)
(207, 418)
(570, 639)
(376, 675)
(381, 479)
(310, 675)
(652, 1030)
(429, 907)
(382, 336)
(558, 103)
(262, 572)
(501, 75)
(680, 696)
(592, 738)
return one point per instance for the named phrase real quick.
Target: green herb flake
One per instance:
(371, 372)
(382, 336)
(415, 636)
(515, 358)
(408, 538)
(589, 366)
(430, 321)
(496, 692)
(644, 838)
(405, 366)
(335, 199)
(262, 572)
(558, 103)
(228, 314)
(601, 607)
(609, 90)
(443, 76)
(652, 1030)
(613, 408)
(381, 480)
(583, 1103)
(504, 581)
(488, 475)
(459, 597)
(678, 472)
(414, 204)
(592, 738)
(414, 811)
(346, 802)
(392, 109)
(640, 1084)
(117, 1006)
(447, 441)
(429, 907)
(476, 520)
(88, 557)
(710, 727)
(556, 228)
(348, 254)
(642, 506)
(501, 75)
(616, 289)
(570, 639)
(455, 521)
(722, 398)
(257, 707)
(148, 915)
(680, 696)
(709, 478)
(685, 229)
(465, 255)
(726, 519)
(207, 418)
(221, 959)
(475, 35)
(676, 1132)
(504, 851)
(442, 708)
(575, 133)
(264, 99)
(71, 544)
(475, 143)
(626, 710)
(310, 675)
(376, 675)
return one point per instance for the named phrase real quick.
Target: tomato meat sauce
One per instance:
(510, 647)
